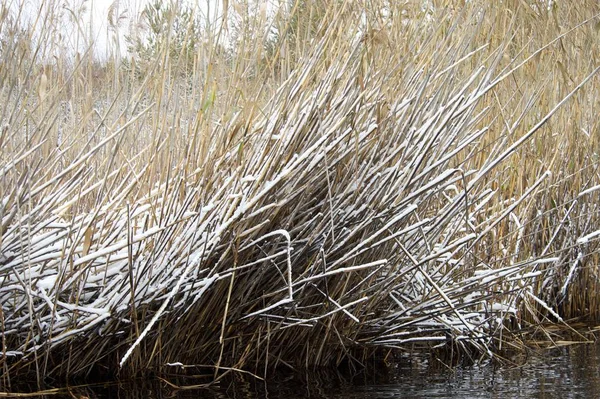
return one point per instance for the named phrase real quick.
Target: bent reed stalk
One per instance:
(365, 181)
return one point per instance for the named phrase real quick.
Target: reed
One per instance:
(300, 186)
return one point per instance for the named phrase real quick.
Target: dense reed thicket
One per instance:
(302, 185)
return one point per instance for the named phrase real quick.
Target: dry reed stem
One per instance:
(371, 181)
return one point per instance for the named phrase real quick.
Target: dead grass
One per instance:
(361, 181)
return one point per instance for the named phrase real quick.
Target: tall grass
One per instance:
(303, 185)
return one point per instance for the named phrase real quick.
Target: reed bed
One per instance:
(333, 181)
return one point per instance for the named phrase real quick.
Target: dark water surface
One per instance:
(567, 372)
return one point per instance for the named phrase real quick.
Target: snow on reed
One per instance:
(344, 218)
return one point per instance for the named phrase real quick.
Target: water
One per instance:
(567, 372)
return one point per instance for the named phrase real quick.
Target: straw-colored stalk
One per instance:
(370, 177)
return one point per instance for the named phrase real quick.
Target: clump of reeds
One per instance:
(355, 186)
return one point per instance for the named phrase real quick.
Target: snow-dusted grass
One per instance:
(415, 181)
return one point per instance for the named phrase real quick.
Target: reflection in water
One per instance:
(568, 372)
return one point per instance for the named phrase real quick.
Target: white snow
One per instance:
(587, 238)
(589, 190)
(47, 282)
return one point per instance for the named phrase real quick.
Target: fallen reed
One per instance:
(356, 182)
